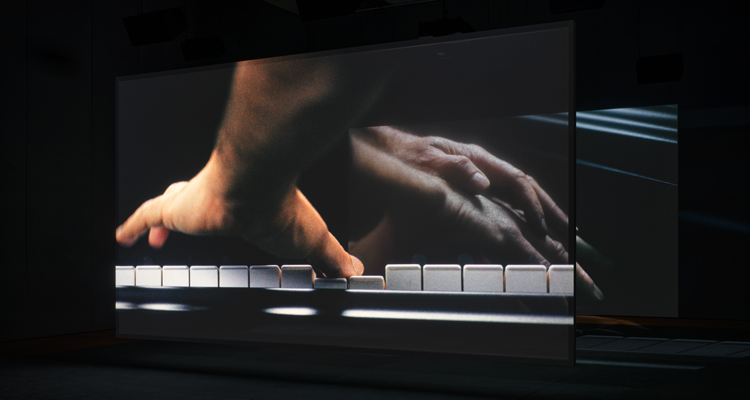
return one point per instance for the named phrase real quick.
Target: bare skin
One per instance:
(460, 185)
(470, 168)
(275, 125)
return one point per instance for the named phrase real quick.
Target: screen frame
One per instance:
(569, 25)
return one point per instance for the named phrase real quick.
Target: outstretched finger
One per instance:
(300, 232)
(551, 249)
(554, 251)
(585, 283)
(333, 261)
(556, 217)
(148, 215)
(587, 252)
(528, 251)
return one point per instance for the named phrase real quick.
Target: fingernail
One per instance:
(598, 293)
(480, 181)
(535, 261)
(118, 230)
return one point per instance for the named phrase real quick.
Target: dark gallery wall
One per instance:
(60, 61)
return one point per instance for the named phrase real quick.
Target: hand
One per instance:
(279, 118)
(426, 206)
(472, 169)
(285, 225)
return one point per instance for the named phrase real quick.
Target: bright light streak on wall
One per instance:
(459, 317)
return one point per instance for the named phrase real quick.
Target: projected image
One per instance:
(627, 209)
(277, 121)
(248, 196)
(420, 198)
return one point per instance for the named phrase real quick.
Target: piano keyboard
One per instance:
(472, 309)
(485, 278)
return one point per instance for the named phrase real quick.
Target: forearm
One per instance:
(279, 119)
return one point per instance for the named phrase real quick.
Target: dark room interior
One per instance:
(60, 64)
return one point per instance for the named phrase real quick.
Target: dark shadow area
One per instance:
(149, 369)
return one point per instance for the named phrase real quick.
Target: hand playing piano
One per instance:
(472, 169)
(285, 225)
(425, 206)
(480, 199)
(277, 122)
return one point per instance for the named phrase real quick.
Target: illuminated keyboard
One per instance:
(558, 279)
(514, 311)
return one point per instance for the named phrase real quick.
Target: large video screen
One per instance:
(399, 197)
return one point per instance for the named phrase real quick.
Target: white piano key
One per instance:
(526, 279)
(124, 275)
(175, 276)
(148, 275)
(367, 282)
(265, 276)
(204, 276)
(233, 276)
(331, 283)
(403, 277)
(297, 276)
(561, 279)
(441, 278)
(483, 278)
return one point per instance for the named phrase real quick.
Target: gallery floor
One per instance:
(609, 365)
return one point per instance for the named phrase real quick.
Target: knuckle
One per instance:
(475, 149)
(461, 162)
(436, 141)
(425, 156)
(175, 187)
(148, 204)
(518, 175)
(559, 250)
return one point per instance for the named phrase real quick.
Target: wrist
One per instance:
(240, 181)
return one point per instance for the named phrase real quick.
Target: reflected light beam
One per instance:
(599, 128)
(626, 122)
(297, 311)
(459, 317)
(619, 171)
(641, 113)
